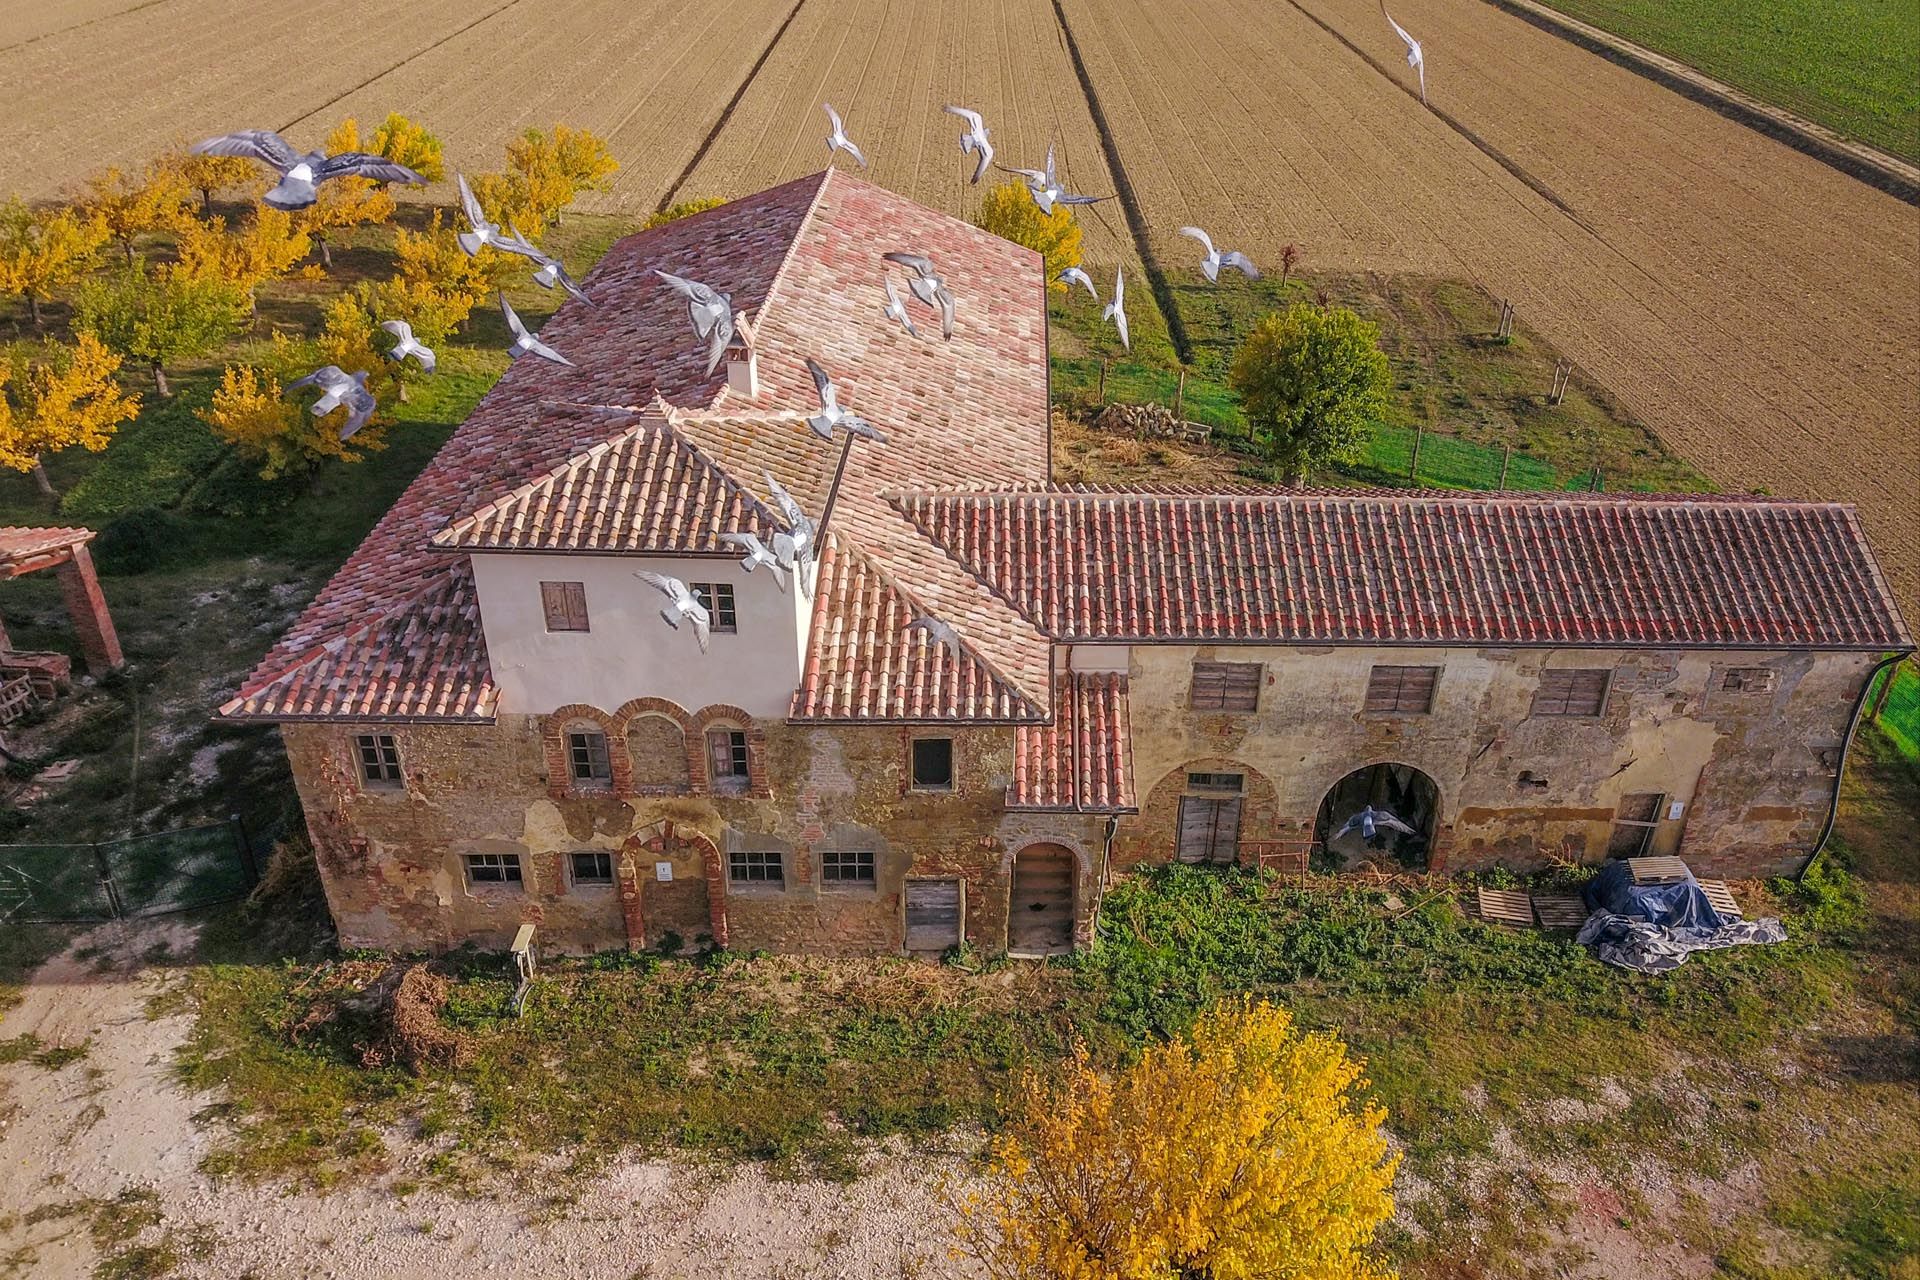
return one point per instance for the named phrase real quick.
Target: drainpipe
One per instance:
(1100, 885)
(1840, 772)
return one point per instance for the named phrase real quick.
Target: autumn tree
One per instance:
(1313, 382)
(351, 339)
(1239, 1152)
(438, 285)
(130, 206)
(682, 209)
(544, 174)
(66, 397)
(262, 248)
(1289, 259)
(158, 317)
(45, 250)
(208, 174)
(402, 141)
(343, 202)
(252, 412)
(1010, 213)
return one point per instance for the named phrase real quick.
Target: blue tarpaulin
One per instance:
(1654, 927)
(1680, 905)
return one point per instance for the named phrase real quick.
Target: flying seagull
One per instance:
(974, 141)
(525, 343)
(1044, 186)
(938, 632)
(408, 345)
(757, 554)
(1116, 308)
(710, 311)
(479, 231)
(680, 604)
(1415, 58)
(896, 309)
(838, 139)
(1369, 820)
(300, 174)
(337, 388)
(793, 548)
(928, 287)
(1074, 275)
(549, 273)
(1211, 264)
(831, 415)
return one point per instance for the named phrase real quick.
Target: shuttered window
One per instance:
(1406, 691)
(565, 604)
(1226, 686)
(1634, 823)
(933, 914)
(1571, 693)
(1747, 679)
(727, 760)
(1209, 830)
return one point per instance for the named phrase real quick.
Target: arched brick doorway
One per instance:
(1399, 789)
(689, 907)
(1040, 907)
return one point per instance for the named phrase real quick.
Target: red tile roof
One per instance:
(18, 542)
(1423, 568)
(1083, 761)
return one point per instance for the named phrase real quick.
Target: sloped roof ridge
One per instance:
(1081, 490)
(255, 682)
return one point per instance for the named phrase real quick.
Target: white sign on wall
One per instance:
(663, 871)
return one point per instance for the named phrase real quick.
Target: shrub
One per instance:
(1314, 383)
(140, 541)
(1010, 213)
(682, 209)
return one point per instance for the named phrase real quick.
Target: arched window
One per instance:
(657, 748)
(729, 760)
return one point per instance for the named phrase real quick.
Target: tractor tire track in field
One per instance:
(1129, 202)
(1486, 148)
(414, 56)
(77, 26)
(726, 112)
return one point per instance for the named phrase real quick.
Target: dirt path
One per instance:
(114, 1121)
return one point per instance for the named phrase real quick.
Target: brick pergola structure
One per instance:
(25, 550)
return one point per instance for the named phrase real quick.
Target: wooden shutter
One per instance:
(1406, 690)
(1209, 830)
(720, 752)
(933, 914)
(1571, 692)
(565, 605)
(1226, 686)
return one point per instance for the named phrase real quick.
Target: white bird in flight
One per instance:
(927, 286)
(680, 604)
(1369, 820)
(831, 415)
(1415, 58)
(301, 174)
(479, 231)
(1116, 308)
(1211, 264)
(1044, 186)
(408, 345)
(974, 141)
(1074, 275)
(711, 312)
(838, 139)
(793, 548)
(896, 309)
(550, 271)
(525, 343)
(939, 632)
(337, 388)
(757, 554)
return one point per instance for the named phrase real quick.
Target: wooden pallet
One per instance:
(1722, 898)
(1658, 870)
(1559, 910)
(16, 697)
(1507, 906)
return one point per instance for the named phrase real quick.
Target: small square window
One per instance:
(565, 604)
(592, 866)
(846, 866)
(756, 866)
(379, 760)
(728, 760)
(1747, 680)
(493, 868)
(1406, 691)
(1226, 686)
(933, 764)
(587, 757)
(718, 598)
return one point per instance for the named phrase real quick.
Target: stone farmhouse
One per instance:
(489, 723)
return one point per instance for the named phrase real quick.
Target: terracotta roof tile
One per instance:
(19, 542)
(1423, 568)
(1083, 761)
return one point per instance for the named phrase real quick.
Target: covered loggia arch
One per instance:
(1402, 790)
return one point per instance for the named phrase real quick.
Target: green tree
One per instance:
(1010, 213)
(159, 317)
(1313, 382)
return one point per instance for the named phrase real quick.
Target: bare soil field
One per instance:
(1752, 305)
(21, 23)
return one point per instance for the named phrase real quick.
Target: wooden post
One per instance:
(1180, 392)
(1413, 470)
(1891, 674)
(1506, 459)
(1103, 379)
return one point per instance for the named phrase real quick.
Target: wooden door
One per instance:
(1209, 830)
(1040, 910)
(933, 914)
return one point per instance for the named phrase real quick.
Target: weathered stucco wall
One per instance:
(1753, 771)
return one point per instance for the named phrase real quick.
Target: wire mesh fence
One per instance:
(140, 875)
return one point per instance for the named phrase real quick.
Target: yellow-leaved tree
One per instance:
(438, 285)
(208, 174)
(343, 202)
(545, 173)
(1236, 1153)
(682, 209)
(353, 340)
(262, 248)
(68, 396)
(1010, 213)
(250, 412)
(404, 142)
(134, 205)
(45, 250)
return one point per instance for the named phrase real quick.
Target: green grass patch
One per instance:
(1899, 707)
(1848, 64)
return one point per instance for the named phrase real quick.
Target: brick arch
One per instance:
(720, 713)
(1081, 858)
(638, 844)
(1157, 833)
(1438, 838)
(692, 742)
(554, 740)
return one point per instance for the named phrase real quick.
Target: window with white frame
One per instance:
(587, 761)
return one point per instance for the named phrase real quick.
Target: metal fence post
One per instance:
(245, 843)
(115, 910)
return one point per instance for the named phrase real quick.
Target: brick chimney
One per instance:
(743, 366)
